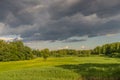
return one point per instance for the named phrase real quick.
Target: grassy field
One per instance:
(67, 68)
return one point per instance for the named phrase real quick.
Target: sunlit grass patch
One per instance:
(50, 73)
(64, 68)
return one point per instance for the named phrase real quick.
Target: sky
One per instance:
(59, 24)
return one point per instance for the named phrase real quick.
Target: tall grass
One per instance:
(67, 68)
(51, 73)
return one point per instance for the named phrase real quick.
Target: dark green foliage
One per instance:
(84, 53)
(37, 53)
(70, 52)
(115, 55)
(63, 52)
(95, 71)
(13, 51)
(45, 53)
(112, 50)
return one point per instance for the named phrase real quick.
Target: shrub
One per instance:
(115, 55)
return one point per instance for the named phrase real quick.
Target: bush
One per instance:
(14, 51)
(117, 55)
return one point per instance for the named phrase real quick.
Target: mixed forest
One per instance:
(16, 50)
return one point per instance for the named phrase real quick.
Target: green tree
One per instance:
(45, 53)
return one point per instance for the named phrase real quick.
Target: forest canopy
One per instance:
(13, 51)
(16, 50)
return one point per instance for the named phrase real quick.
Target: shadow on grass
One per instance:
(95, 71)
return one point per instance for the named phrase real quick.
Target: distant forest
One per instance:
(16, 50)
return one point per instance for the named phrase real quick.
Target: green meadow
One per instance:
(64, 68)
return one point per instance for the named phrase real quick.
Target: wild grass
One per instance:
(65, 68)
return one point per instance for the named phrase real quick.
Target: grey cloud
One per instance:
(74, 40)
(103, 8)
(59, 19)
(62, 30)
(11, 12)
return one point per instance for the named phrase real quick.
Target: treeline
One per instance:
(14, 51)
(61, 53)
(70, 52)
(111, 50)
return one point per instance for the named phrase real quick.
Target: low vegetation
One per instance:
(63, 68)
(101, 63)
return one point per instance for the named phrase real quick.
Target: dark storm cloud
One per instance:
(103, 8)
(59, 19)
(12, 12)
(64, 29)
